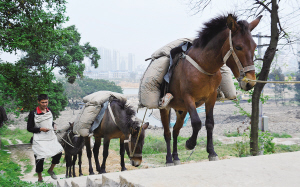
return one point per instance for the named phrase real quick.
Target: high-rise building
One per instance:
(106, 60)
(115, 61)
(131, 62)
(123, 64)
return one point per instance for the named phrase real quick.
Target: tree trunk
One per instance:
(267, 61)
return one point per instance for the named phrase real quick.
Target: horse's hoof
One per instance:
(169, 164)
(188, 146)
(124, 169)
(177, 162)
(80, 174)
(213, 158)
(92, 173)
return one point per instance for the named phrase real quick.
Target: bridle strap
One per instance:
(111, 113)
(231, 51)
(129, 147)
(194, 63)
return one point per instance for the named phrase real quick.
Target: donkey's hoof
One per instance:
(169, 164)
(213, 158)
(177, 162)
(189, 145)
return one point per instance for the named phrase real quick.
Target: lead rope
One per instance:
(131, 154)
(277, 82)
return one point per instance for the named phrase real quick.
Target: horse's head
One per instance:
(136, 158)
(238, 50)
(75, 140)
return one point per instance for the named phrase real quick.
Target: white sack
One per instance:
(149, 90)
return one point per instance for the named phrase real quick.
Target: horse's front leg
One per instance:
(195, 120)
(105, 154)
(80, 162)
(178, 125)
(165, 119)
(209, 124)
(89, 154)
(73, 164)
(122, 152)
(96, 153)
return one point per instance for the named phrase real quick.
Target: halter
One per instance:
(132, 152)
(242, 69)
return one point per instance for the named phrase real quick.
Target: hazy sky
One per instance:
(138, 26)
(143, 26)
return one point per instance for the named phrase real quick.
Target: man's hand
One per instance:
(44, 129)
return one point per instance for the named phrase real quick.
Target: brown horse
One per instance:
(117, 123)
(197, 76)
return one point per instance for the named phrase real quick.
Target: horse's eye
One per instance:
(238, 48)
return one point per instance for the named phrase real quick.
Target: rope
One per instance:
(278, 82)
(139, 134)
(65, 140)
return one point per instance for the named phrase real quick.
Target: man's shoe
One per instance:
(52, 174)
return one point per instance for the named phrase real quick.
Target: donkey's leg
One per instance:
(105, 154)
(80, 162)
(178, 125)
(96, 153)
(67, 164)
(73, 164)
(89, 154)
(164, 115)
(209, 124)
(195, 120)
(122, 152)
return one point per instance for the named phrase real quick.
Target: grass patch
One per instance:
(21, 134)
(12, 171)
(283, 135)
(286, 148)
(232, 134)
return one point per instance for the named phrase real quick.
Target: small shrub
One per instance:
(243, 147)
(265, 142)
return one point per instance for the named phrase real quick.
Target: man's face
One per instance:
(43, 104)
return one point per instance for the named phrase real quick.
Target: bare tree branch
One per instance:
(265, 6)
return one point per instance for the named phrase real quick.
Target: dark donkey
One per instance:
(197, 76)
(72, 145)
(117, 123)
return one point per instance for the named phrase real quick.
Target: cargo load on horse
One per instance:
(160, 70)
(93, 104)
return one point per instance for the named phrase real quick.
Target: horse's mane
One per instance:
(215, 26)
(128, 110)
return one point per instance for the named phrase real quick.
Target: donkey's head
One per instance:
(136, 142)
(238, 50)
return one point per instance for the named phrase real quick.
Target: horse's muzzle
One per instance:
(135, 162)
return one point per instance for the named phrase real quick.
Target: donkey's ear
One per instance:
(71, 124)
(254, 23)
(146, 125)
(231, 23)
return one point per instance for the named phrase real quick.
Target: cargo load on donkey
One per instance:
(93, 104)
(153, 90)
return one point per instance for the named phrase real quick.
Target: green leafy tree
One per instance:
(31, 24)
(57, 99)
(67, 58)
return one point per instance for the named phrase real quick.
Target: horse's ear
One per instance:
(231, 23)
(146, 125)
(254, 23)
